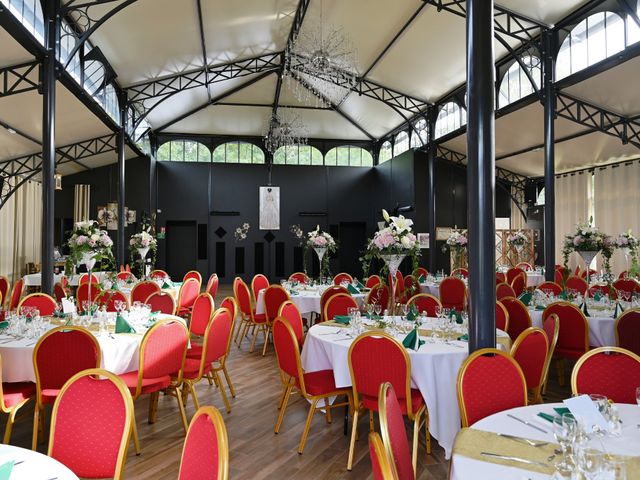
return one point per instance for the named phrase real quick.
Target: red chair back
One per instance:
(230, 304)
(372, 281)
(243, 298)
(426, 303)
(573, 335)
(287, 351)
(610, 371)
(60, 354)
(142, 290)
(583, 274)
(259, 282)
(550, 288)
(421, 272)
(502, 317)
(82, 294)
(551, 327)
(217, 336)
(45, 304)
(519, 318)
(108, 298)
(16, 294)
(342, 277)
(290, 312)
(162, 302)
(58, 291)
(500, 278)
(163, 349)
(628, 330)
(627, 285)
(84, 278)
(393, 431)
(338, 305)
(503, 290)
(4, 290)
(379, 295)
(91, 424)
(513, 273)
(479, 395)
(299, 277)
(189, 291)
(159, 274)
(453, 293)
(519, 283)
(530, 350)
(524, 266)
(605, 290)
(623, 274)
(205, 455)
(461, 272)
(126, 276)
(577, 283)
(380, 461)
(411, 286)
(212, 285)
(201, 313)
(327, 294)
(274, 297)
(192, 274)
(558, 277)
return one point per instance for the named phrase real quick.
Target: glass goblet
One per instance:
(564, 431)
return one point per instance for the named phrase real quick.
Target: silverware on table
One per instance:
(514, 459)
(532, 443)
(524, 422)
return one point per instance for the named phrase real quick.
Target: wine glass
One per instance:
(564, 431)
(377, 308)
(590, 461)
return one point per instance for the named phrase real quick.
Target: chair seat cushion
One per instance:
(259, 317)
(15, 393)
(195, 351)
(49, 395)
(191, 368)
(371, 403)
(320, 383)
(149, 385)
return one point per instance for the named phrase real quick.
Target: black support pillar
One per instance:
(52, 24)
(481, 174)
(431, 189)
(549, 155)
(122, 145)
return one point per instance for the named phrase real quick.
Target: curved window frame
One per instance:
(419, 134)
(451, 117)
(400, 143)
(348, 156)
(515, 83)
(386, 152)
(178, 151)
(238, 152)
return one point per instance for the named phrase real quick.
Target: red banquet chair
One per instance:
(59, 355)
(550, 288)
(503, 290)
(500, 278)
(573, 334)
(327, 294)
(4, 290)
(372, 281)
(551, 327)
(411, 287)
(342, 277)
(525, 266)
(274, 297)
(426, 303)
(421, 272)
(376, 358)
(610, 371)
(214, 349)
(502, 317)
(530, 350)
(577, 283)
(13, 396)
(205, 455)
(399, 287)
(193, 274)
(159, 274)
(126, 276)
(189, 291)
(627, 285)
(558, 277)
(583, 273)
(16, 294)
(460, 272)
(289, 311)
(299, 277)
(519, 318)
(142, 290)
(92, 437)
(394, 434)
(339, 305)
(212, 286)
(258, 283)
(162, 302)
(313, 387)
(453, 293)
(108, 299)
(479, 395)
(519, 283)
(623, 274)
(249, 319)
(162, 353)
(378, 295)
(512, 273)
(45, 304)
(82, 294)
(221, 366)
(201, 316)
(627, 328)
(380, 462)
(59, 292)
(84, 278)
(603, 290)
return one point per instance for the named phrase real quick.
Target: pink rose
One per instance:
(92, 243)
(463, 240)
(81, 240)
(320, 241)
(145, 242)
(132, 242)
(577, 240)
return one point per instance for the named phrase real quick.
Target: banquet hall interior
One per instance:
(320, 239)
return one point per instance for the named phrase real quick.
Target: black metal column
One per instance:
(121, 258)
(481, 174)
(549, 155)
(153, 175)
(51, 22)
(431, 190)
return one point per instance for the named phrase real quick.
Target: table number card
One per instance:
(585, 410)
(68, 306)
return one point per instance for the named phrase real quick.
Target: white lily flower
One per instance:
(402, 223)
(385, 215)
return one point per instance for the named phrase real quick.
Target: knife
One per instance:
(514, 459)
(533, 443)
(527, 423)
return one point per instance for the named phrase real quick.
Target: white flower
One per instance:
(95, 237)
(402, 223)
(385, 215)
(406, 242)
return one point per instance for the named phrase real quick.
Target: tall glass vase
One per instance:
(89, 261)
(320, 251)
(626, 253)
(587, 258)
(393, 262)
(142, 251)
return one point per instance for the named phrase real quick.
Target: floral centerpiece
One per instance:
(457, 244)
(241, 232)
(88, 245)
(322, 243)
(518, 240)
(588, 241)
(629, 246)
(141, 243)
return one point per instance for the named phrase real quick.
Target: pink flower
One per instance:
(81, 240)
(320, 241)
(623, 241)
(92, 243)
(463, 240)
(577, 240)
(411, 237)
(132, 241)
(145, 242)
(384, 240)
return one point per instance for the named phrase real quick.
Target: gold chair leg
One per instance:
(222, 392)
(307, 425)
(194, 395)
(209, 378)
(253, 343)
(238, 330)
(427, 433)
(327, 410)
(136, 439)
(371, 421)
(9, 427)
(153, 406)
(283, 406)
(266, 341)
(36, 427)
(228, 379)
(416, 434)
(352, 442)
(183, 414)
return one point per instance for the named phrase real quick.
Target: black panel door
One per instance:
(182, 247)
(353, 237)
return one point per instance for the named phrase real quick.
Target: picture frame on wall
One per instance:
(423, 240)
(102, 216)
(269, 208)
(131, 217)
(112, 216)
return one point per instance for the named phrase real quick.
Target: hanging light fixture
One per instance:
(285, 129)
(323, 57)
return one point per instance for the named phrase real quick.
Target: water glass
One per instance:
(564, 430)
(590, 462)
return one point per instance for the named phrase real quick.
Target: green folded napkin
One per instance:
(597, 296)
(412, 314)
(546, 416)
(293, 292)
(618, 310)
(525, 297)
(352, 289)
(373, 317)
(4, 324)
(421, 279)
(563, 295)
(167, 284)
(343, 319)
(561, 410)
(584, 309)
(457, 316)
(464, 338)
(122, 326)
(5, 470)
(412, 340)
(359, 284)
(540, 307)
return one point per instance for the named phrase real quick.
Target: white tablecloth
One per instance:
(434, 371)
(534, 279)
(35, 279)
(463, 468)
(307, 301)
(34, 466)
(601, 327)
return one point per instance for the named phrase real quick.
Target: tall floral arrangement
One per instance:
(87, 241)
(588, 238)
(627, 242)
(323, 244)
(518, 240)
(144, 239)
(457, 244)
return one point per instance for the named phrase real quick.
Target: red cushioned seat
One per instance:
(15, 393)
(195, 351)
(49, 395)
(417, 402)
(149, 385)
(259, 317)
(191, 368)
(320, 382)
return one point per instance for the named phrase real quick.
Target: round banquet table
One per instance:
(434, 371)
(433, 288)
(35, 279)
(307, 300)
(601, 326)
(119, 353)
(34, 465)
(464, 467)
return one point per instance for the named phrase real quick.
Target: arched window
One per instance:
(29, 13)
(348, 155)
(298, 155)
(93, 76)
(515, 83)
(633, 30)
(419, 134)
(451, 117)
(595, 38)
(540, 199)
(183, 151)
(109, 101)
(238, 152)
(401, 143)
(386, 152)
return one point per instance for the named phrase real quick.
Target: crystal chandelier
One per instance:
(285, 129)
(323, 57)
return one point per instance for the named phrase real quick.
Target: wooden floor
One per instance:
(256, 452)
